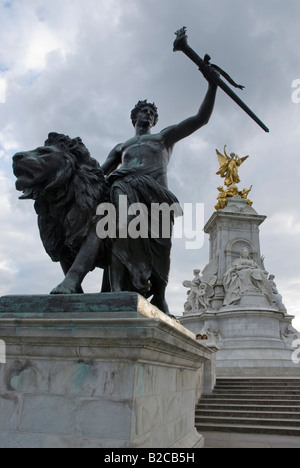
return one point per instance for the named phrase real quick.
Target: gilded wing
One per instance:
(241, 160)
(225, 152)
(223, 160)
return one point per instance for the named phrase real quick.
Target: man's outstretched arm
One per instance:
(185, 128)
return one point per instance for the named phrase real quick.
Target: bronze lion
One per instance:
(67, 185)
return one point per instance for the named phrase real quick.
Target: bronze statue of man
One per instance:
(138, 170)
(70, 184)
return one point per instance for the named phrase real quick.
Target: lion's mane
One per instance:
(66, 207)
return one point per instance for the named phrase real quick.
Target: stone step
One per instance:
(280, 430)
(269, 406)
(262, 405)
(259, 384)
(253, 396)
(255, 386)
(262, 414)
(248, 391)
(254, 421)
(247, 407)
(257, 379)
(252, 401)
(258, 387)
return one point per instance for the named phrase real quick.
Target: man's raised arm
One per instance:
(185, 128)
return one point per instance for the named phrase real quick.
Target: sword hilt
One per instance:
(181, 44)
(204, 65)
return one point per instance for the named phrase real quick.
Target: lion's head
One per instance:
(47, 167)
(67, 185)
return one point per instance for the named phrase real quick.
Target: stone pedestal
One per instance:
(230, 230)
(210, 373)
(99, 370)
(251, 342)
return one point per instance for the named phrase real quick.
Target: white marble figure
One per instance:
(210, 272)
(277, 297)
(192, 299)
(199, 295)
(289, 334)
(243, 277)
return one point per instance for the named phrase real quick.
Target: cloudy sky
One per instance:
(79, 66)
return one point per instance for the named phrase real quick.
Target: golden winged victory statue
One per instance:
(229, 166)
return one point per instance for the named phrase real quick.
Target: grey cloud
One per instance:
(119, 52)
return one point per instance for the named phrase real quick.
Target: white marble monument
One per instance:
(236, 302)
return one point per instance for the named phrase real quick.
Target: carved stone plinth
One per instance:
(251, 342)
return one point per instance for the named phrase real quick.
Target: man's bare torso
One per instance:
(146, 151)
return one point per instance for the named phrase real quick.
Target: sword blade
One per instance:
(241, 103)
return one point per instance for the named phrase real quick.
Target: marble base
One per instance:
(99, 370)
(251, 341)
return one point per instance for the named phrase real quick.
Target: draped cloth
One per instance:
(244, 277)
(147, 255)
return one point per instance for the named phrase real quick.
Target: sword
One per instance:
(204, 65)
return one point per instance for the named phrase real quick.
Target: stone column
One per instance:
(230, 230)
